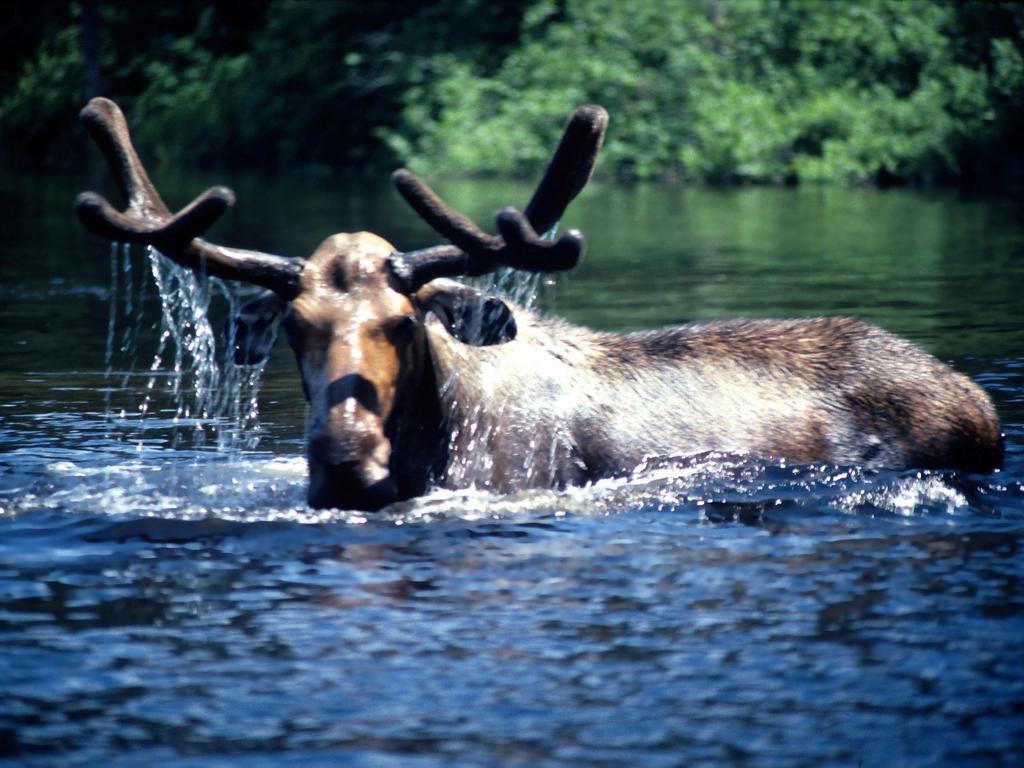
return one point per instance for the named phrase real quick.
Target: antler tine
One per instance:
(103, 219)
(148, 220)
(106, 124)
(475, 253)
(440, 216)
(533, 254)
(570, 168)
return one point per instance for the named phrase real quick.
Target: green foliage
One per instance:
(41, 100)
(251, 83)
(872, 91)
(736, 90)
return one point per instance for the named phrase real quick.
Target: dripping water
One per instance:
(475, 426)
(189, 391)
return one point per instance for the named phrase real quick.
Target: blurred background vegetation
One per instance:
(766, 91)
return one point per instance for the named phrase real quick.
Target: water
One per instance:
(167, 597)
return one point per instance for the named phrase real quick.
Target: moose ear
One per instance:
(470, 315)
(256, 326)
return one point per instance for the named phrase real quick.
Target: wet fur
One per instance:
(562, 404)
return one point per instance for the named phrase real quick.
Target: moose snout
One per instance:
(349, 479)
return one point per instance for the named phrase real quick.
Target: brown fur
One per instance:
(825, 389)
(359, 346)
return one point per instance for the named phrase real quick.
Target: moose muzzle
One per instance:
(349, 454)
(350, 476)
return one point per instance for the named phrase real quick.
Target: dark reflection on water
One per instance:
(167, 603)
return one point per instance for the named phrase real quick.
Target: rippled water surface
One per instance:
(166, 597)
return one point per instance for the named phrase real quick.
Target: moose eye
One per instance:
(402, 327)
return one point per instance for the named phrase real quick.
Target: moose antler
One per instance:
(475, 253)
(148, 220)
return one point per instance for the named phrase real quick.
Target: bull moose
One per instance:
(408, 372)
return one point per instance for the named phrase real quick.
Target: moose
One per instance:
(409, 373)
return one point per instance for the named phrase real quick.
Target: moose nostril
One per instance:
(351, 483)
(356, 447)
(364, 456)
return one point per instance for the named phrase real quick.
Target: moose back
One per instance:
(409, 373)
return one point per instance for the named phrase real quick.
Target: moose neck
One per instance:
(506, 410)
(417, 434)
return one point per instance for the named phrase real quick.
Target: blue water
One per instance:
(166, 597)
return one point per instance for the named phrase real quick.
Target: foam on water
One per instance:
(250, 487)
(174, 485)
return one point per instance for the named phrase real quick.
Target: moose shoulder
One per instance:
(408, 373)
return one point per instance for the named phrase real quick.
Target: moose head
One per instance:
(355, 312)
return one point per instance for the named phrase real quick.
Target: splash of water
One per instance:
(475, 427)
(192, 390)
